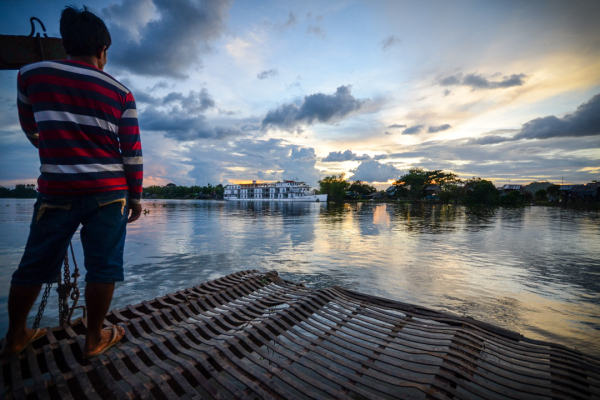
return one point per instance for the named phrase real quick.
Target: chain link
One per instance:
(65, 289)
(63, 292)
(38, 317)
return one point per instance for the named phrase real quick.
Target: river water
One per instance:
(533, 270)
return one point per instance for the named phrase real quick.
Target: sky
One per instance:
(234, 91)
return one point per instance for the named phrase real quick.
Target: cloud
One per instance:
(585, 121)
(374, 171)
(291, 21)
(315, 30)
(486, 140)
(250, 128)
(475, 81)
(267, 74)
(389, 42)
(245, 158)
(439, 128)
(181, 117)
(348, 155)
(168, 45)
(181, 126)
(194, 102)
(397, 126)
(412, 130)
(316, 108)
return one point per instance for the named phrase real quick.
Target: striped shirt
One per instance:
(84, 123)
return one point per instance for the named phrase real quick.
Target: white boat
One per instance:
(286, 191)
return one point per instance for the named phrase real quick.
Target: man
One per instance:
(84, 123)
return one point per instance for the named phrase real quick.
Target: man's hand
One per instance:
(136, 211)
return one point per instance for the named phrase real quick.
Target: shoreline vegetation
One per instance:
(440, 187)
(418, 186)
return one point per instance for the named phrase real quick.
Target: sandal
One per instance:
(113, 340)
(37, 334)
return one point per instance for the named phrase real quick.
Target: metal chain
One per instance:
(38, 317)
(65, 290)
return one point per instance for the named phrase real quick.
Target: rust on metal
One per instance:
(17, 51)
(251, 335)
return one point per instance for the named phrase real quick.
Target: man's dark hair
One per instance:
(83, 33)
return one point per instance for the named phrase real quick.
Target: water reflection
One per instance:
(532, 270)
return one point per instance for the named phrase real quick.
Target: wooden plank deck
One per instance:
(254, 336)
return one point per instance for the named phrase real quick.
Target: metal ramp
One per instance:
(254, 336)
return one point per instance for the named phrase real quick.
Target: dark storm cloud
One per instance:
(267, 74)
(475, 81)
(412, 130)
(397, 126)
(585, 121)
(348, 155)
(167, 46)
(439, 128)
(389, 42)
(374, 171)
(316, 108)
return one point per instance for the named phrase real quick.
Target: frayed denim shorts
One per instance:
(56, 219)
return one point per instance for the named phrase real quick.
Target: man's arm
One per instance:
(131, 151)
(26, 117)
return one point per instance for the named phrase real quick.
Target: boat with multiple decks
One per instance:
(286, 191)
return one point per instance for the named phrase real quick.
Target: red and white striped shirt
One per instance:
(84, 123)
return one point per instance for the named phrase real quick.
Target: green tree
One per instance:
(24, 191)
(480, 191)
(553, 191)
(513, 198)
(334, 186)
(541, 195)
(414, 183)
(361, 188)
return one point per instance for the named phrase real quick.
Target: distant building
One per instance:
(512, 188)
(432, 192)
(587, 193)
(171, 185)
(375, 195)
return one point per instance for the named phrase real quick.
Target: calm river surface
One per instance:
(533, 270)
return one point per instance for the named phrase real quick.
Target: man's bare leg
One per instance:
(20, 301)
(97, 299)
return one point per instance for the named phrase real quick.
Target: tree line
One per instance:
(452, 189)
(21, 191)
(171, 191)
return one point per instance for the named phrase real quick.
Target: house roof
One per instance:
(590, 187)
(432, 187)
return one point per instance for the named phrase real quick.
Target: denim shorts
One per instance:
(56, 219)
